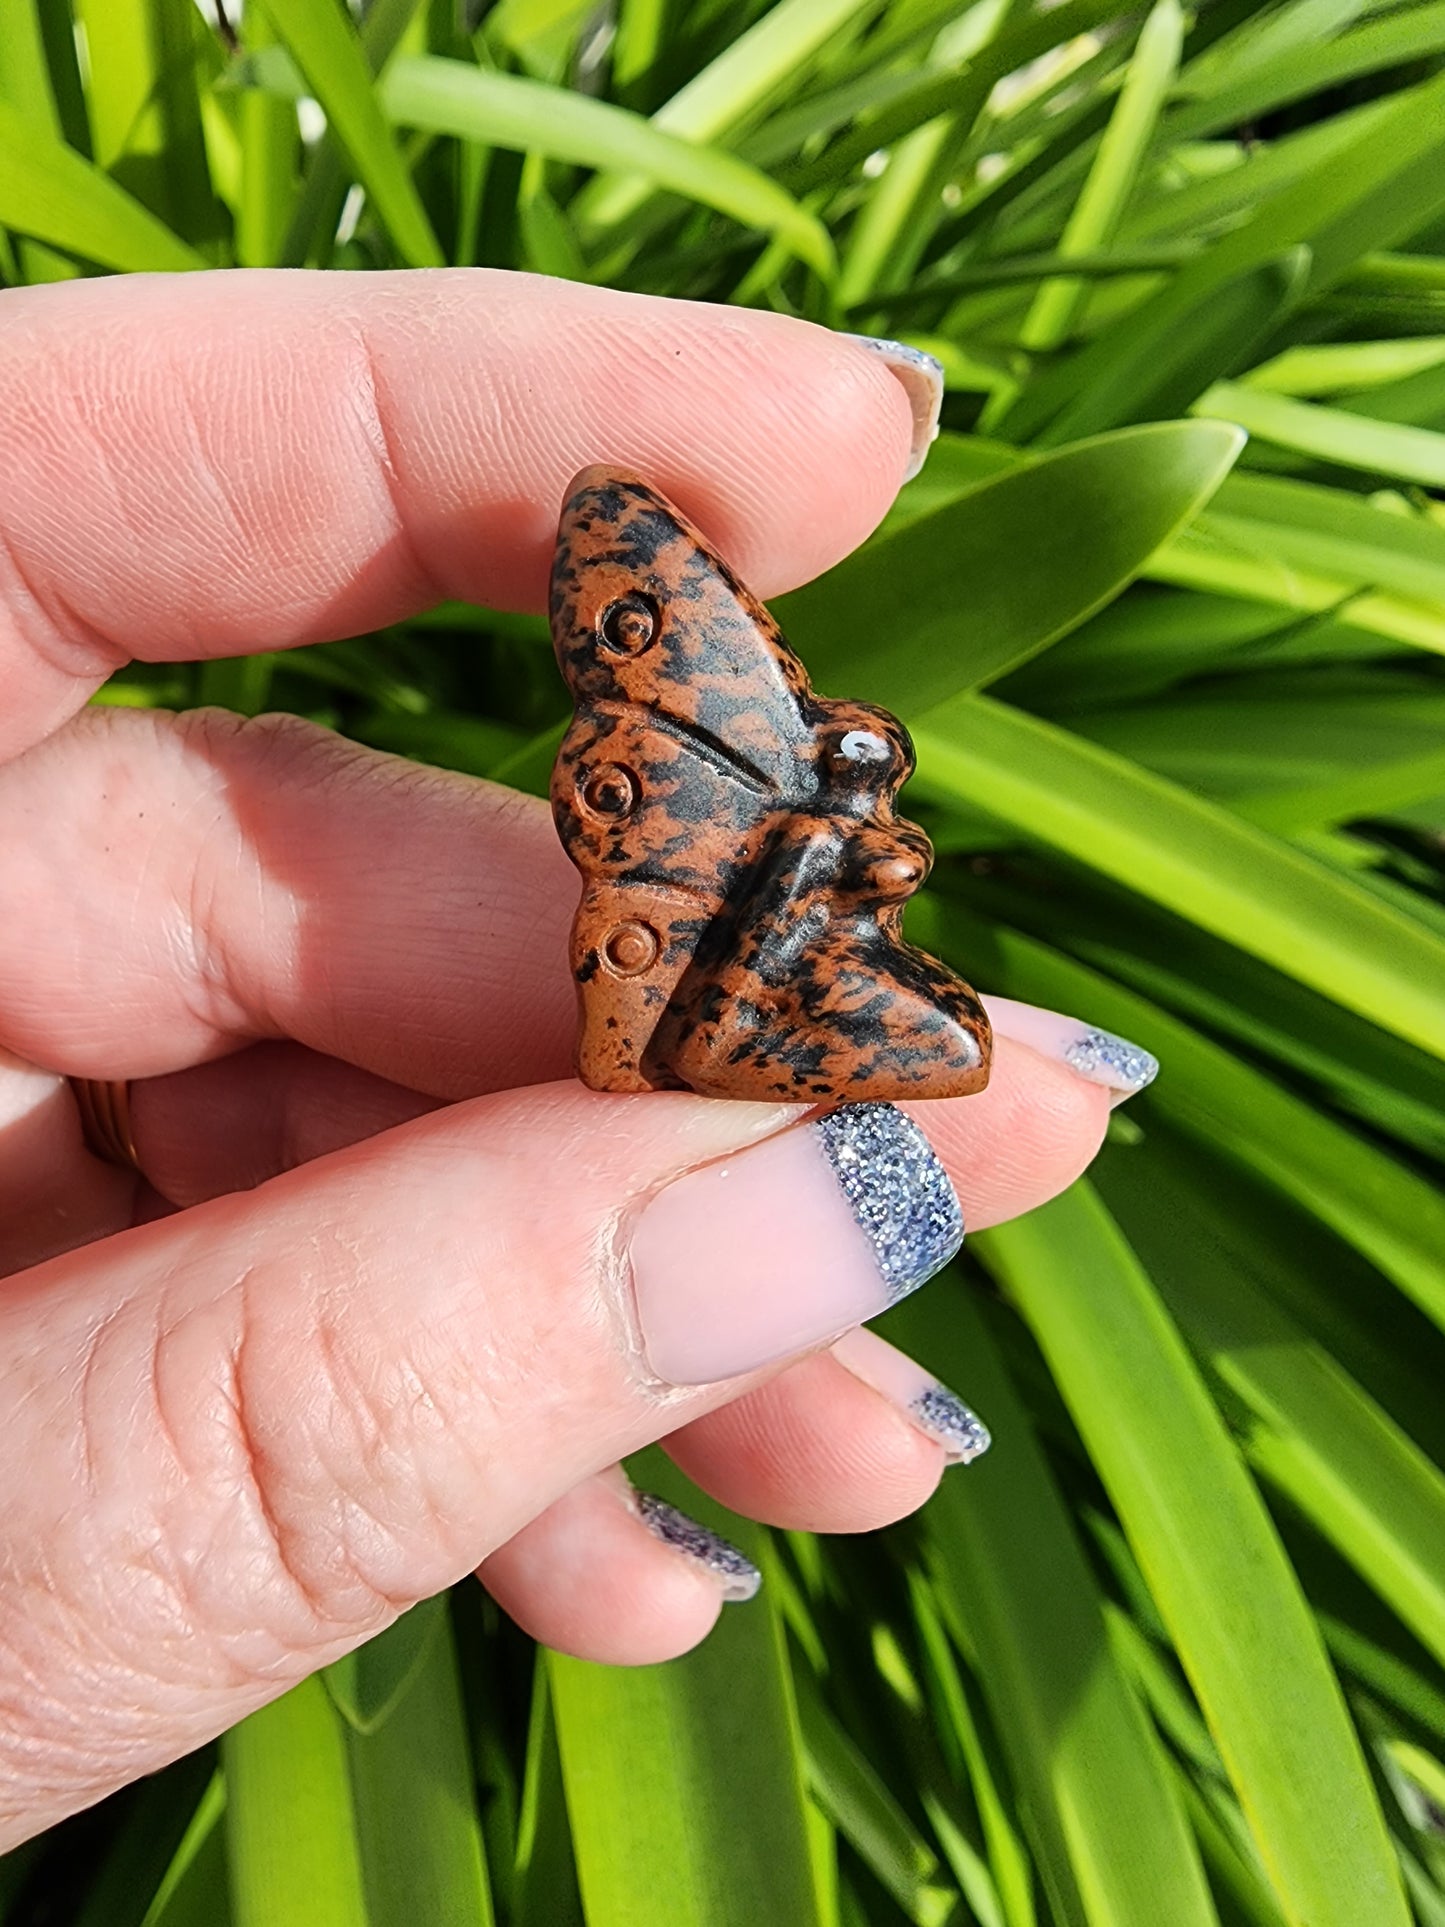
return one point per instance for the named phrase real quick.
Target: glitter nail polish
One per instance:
(737, 1576)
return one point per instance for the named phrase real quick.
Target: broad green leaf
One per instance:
(1388, 1212)
(411, 1773)
(1190, 855)
(319, 37)
(1102, 1816)
(695, 1767)
(505, 110)
(967, 593)
(1332, 434)
(1304, 1423)
(290, 1824)
(48, 191)
(1287, 741)
(1209, 1552)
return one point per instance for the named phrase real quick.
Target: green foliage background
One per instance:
(1172, 1655)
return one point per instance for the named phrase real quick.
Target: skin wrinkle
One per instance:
(268, 1483)
(372, 408)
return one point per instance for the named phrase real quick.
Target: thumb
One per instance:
(246, 1437)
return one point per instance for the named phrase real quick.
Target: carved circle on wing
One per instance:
(611, 789)
(629, 948)
(629, 625)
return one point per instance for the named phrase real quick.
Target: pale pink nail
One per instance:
(936, 1411)
(789, 1243)
(1095, 1054)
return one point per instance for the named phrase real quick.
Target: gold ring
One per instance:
(104, 1105)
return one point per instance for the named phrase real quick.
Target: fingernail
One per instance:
(1097, 1055)
(922, 378)
(937, 1412)
(782, 1246)
(737, 1577)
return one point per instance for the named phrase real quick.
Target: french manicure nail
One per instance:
(922, 378)
(789, 1243)
(1097, 1055)
(736, 1575)
(937, 1412)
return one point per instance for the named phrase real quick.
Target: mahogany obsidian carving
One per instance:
(744, 874)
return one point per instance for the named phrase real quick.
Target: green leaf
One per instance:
(772, 54)
(546, 1872)
(1305, 1424)
(865, 1812)
(1393, 1216)
(318, 36)
(1103, 1818)
(196, 1889)
(49, 192)
(1193, 857)
(1332, 434)
(411, 1772)
(1205, 1543)
(1382, 185)
(144, 58)
(1111, 179)
(1294, 72)
(974, 589)
(290, 1825)
(1340, 366)
(1163, 360)
(505, 110)
(367, 1685)
(694, 1767)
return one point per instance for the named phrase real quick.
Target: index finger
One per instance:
(208, 464)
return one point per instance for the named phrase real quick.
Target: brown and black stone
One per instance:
(743, 871)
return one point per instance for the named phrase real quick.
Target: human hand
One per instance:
(394, 1331)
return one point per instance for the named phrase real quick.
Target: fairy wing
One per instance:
(691, 741)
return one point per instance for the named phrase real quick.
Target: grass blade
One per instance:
(1334, 435)
(1214, 1565)
(505, 110)
(319, 38)
(1191, 856)
(50, 193)
(411, 1774)
(695, 1766)
(773, 54)
(1306, 1425)
(1112, 177)
(290, 1824)
(1391, 1215)
(1102, 1816)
